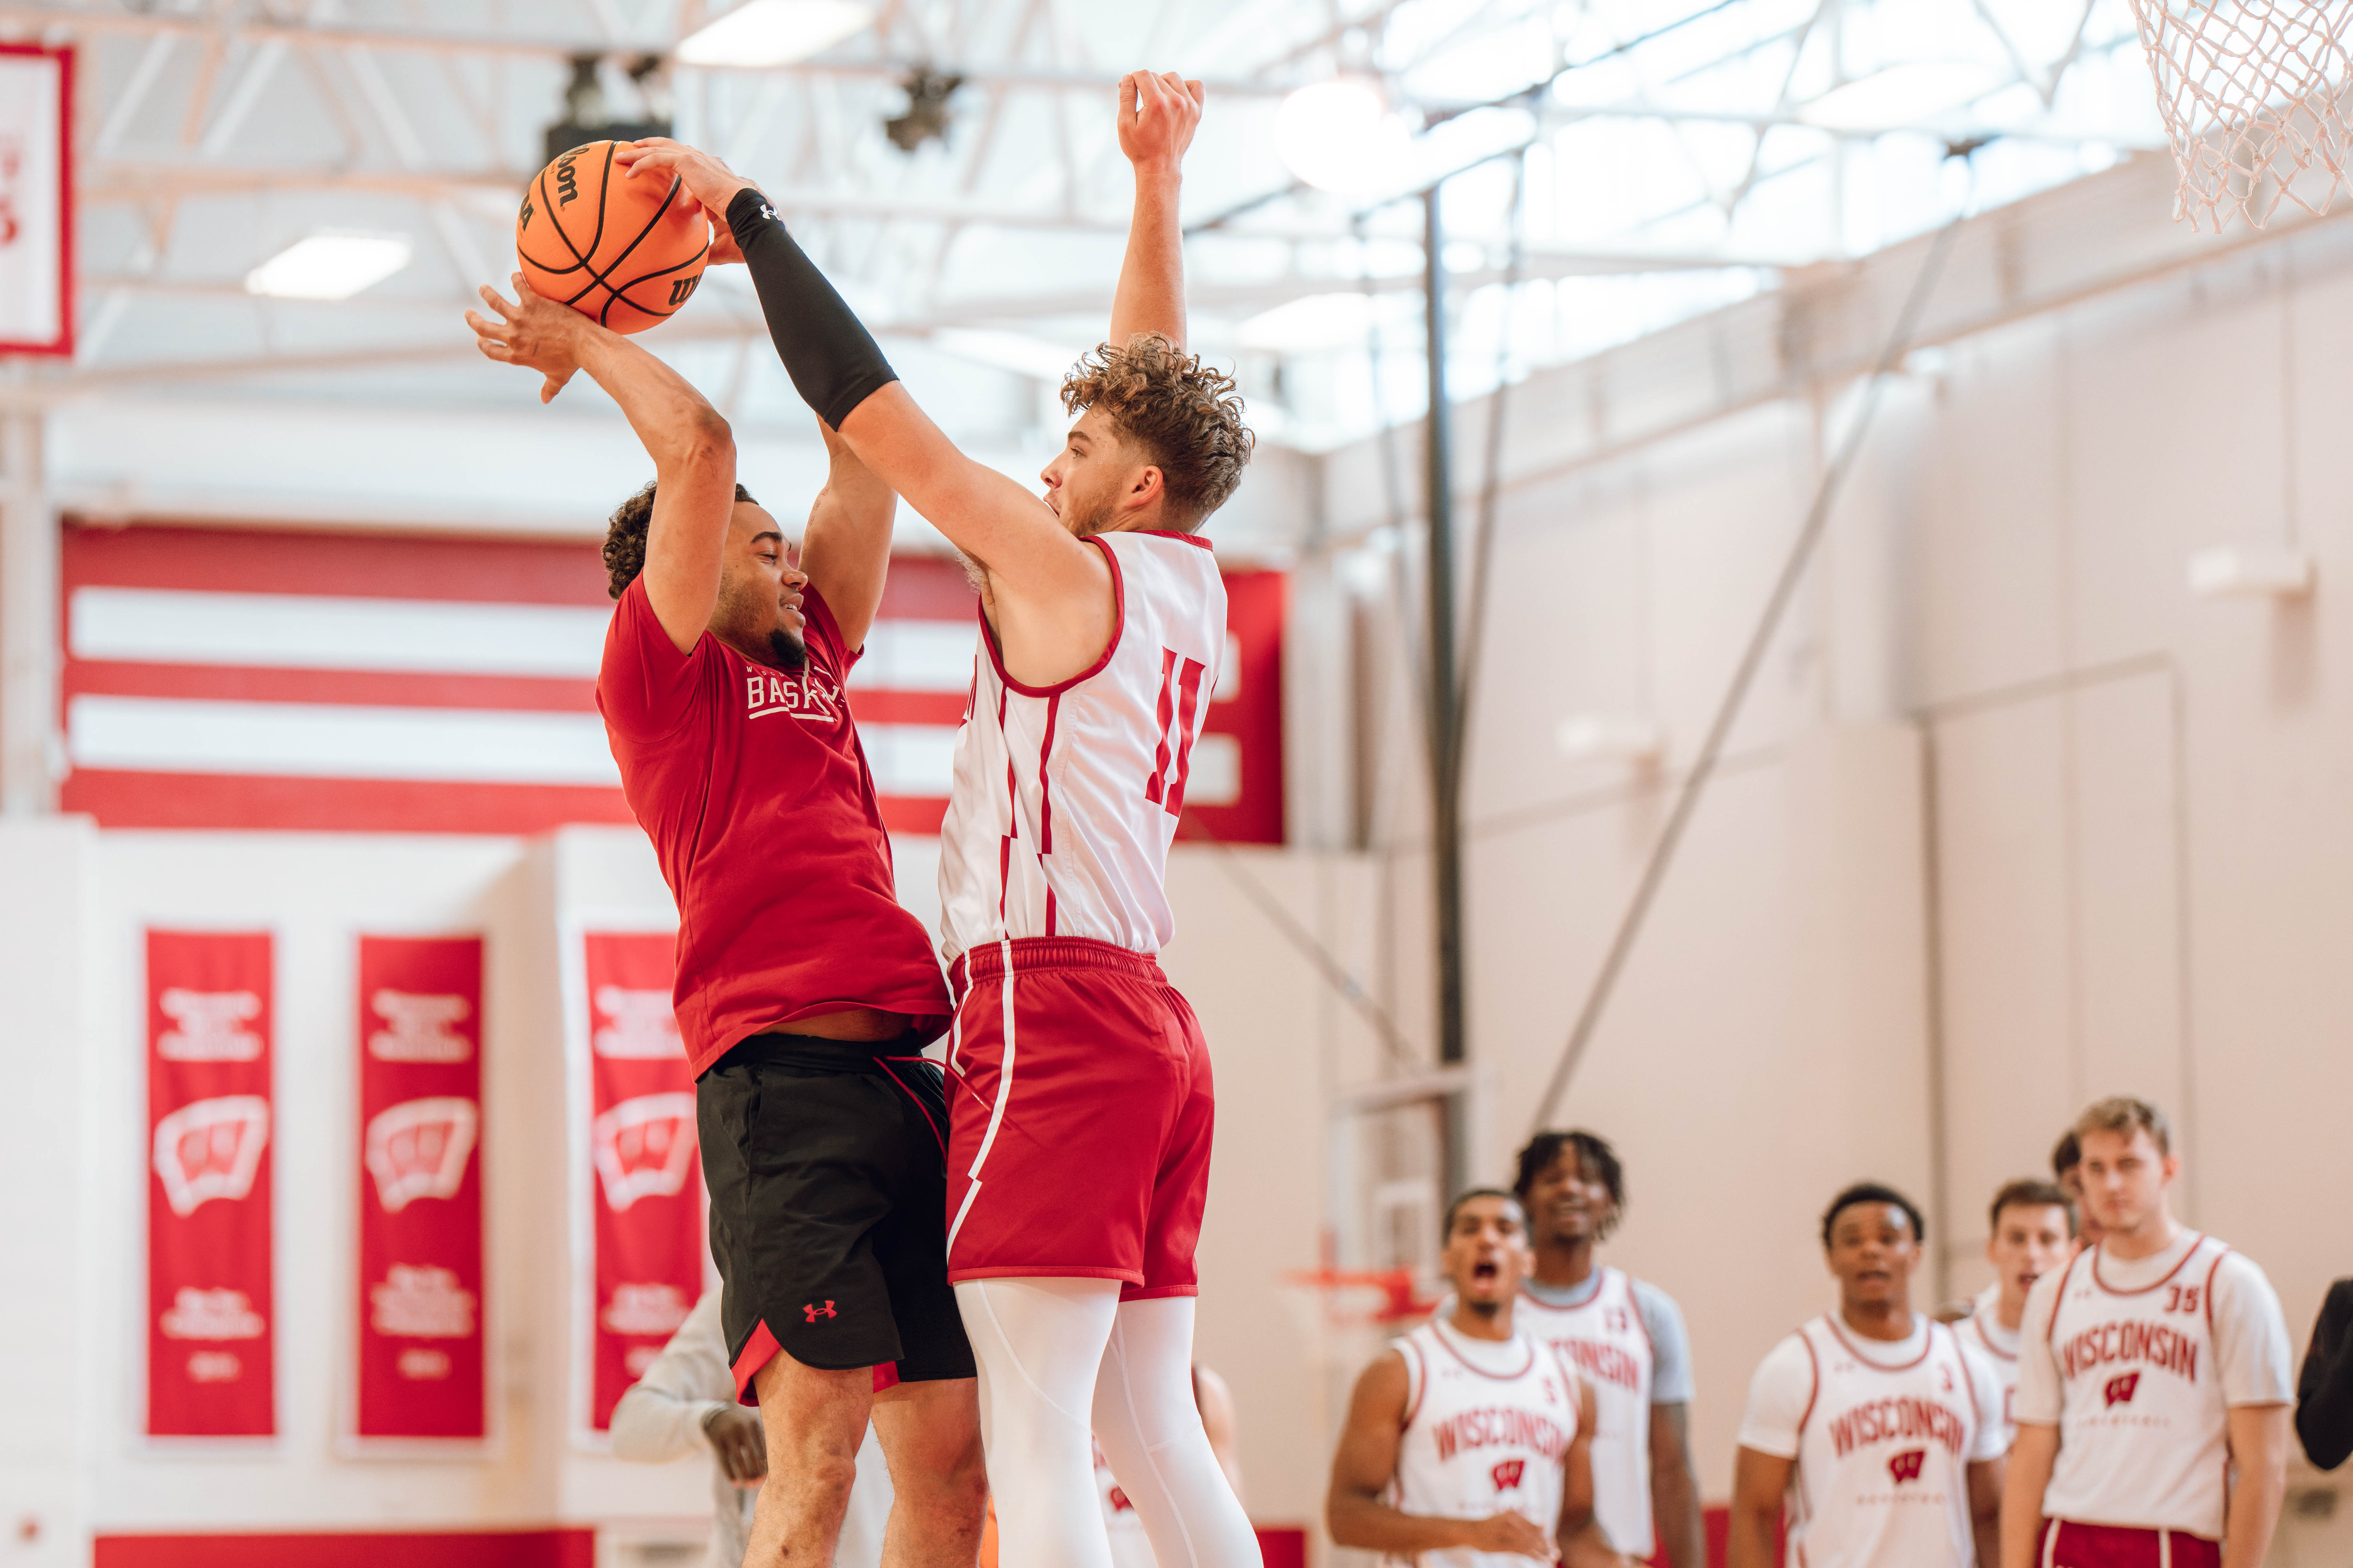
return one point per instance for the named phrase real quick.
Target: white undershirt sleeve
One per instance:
(1670, 1363)
(661, 1416)
(2251, 1336)
(1780, 1396)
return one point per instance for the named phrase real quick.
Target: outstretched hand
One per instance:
(532, 332)
(711, 182)
(1157, 117)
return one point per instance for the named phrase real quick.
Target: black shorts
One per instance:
(827, 1163)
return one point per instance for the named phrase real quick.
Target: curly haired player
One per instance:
(1079, 1147)
(804, 992)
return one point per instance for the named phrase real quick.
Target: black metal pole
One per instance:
(1445, 762)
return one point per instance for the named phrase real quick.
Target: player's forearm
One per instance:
(676, 423)
(1755, 1533)
(2258, 1487)
(834, 362)
(652, 1426)
(1151, 296)
(2031, 1461)
(1674, 1493)
(1371, 1525)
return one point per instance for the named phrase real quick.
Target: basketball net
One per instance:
(2252, 95)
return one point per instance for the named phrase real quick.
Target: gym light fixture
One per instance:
(2251, 572)
(333, 264)
(1610, 738)
(1900, 95)
(1338, 136)
(773, 32)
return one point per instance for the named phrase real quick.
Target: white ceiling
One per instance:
(1677, 153)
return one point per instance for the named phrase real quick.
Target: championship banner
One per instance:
(420, 1254)
(36, 200)
(643, 1174)
(210, 1367)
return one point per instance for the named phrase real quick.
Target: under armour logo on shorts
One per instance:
(813, 1313)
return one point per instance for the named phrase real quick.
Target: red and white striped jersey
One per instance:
(1065, 798)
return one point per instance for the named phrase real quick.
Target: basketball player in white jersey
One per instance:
(1881, 1428)
(2067, 1170)
(2153, 1384)
(1469, 1445)
(2033, 1231)
(1625, 1337)
(1080, 1121)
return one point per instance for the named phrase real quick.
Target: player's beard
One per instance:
(791, 652)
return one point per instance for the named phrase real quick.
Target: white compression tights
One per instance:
(1040, 1344)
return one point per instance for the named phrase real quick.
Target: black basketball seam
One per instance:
(676, 186)
(579, 260)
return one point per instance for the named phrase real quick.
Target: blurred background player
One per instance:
(2032, 1233)
(2153, 1380)
(1625, 1337)
(686, 1403)
(2324, 1390)
(1469, 1443)
(1880, 1427)
(2066, 1169)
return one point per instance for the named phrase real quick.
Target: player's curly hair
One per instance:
(625, 538)
(1186, 417)
(1590, 1151)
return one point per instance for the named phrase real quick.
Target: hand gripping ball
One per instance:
(625, 253)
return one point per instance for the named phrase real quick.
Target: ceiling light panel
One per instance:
(769, 33)
(331, 265)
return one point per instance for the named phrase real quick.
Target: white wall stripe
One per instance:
(306, 739)
(302, 631)
(917, 656)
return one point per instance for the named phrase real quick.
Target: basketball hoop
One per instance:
(1361, 1298)
(2250, 92)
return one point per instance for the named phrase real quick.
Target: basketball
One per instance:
(624, 253)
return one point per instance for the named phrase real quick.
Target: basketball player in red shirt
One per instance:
(804, 992)
(1469, 1443)
(1078, 1146)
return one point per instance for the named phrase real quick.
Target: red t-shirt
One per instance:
(752, 786)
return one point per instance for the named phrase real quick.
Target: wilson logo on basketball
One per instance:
(567, 180)
(1506, 1476)
(2120, 1390)
(1907, 1465)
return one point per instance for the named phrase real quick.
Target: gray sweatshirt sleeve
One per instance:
(661, 1417)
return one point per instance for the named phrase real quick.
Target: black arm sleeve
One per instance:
(833, 360)
(2324, 1410)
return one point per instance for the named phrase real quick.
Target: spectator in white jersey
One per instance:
(1626, 1337)
(1879, 1425)
(2153, 1382)
(685, 1403)
(2067, 1170)
(1468, 1443)
(2032, 1233)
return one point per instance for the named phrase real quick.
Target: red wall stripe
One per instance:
(129, 799)
(553, 1547)
(358, 687)
(945, 708)
(361, 565)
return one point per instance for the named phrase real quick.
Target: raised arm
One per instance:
(1582, 1543)
(692, 449)
(1158, 115)
(845, 549)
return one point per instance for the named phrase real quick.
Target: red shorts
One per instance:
(1080, 1110)
(2066, 1544)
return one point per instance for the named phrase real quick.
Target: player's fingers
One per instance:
(493, 349)
(1127, 96)
(1196, 91)
(497, 301)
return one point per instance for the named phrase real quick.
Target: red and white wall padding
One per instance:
(420, 1254)
(637, 1168)
(210, 1366)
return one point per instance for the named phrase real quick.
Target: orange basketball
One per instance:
(624, 253)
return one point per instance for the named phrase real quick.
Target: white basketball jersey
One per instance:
(1475, 1442)
(1605, 1340)
(1882, 1479)
(1983, 1332)
(2143, 1428)
(1130, 1547)
(1066, 797)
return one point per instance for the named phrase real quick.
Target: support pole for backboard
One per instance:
(29, 621)
(1445, 739)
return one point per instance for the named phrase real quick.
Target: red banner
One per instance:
(646, 1190)
(210, 1367)
(420, 1296)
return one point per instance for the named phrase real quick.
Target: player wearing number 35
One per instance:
(1080, 1087)
(2153, 1382)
